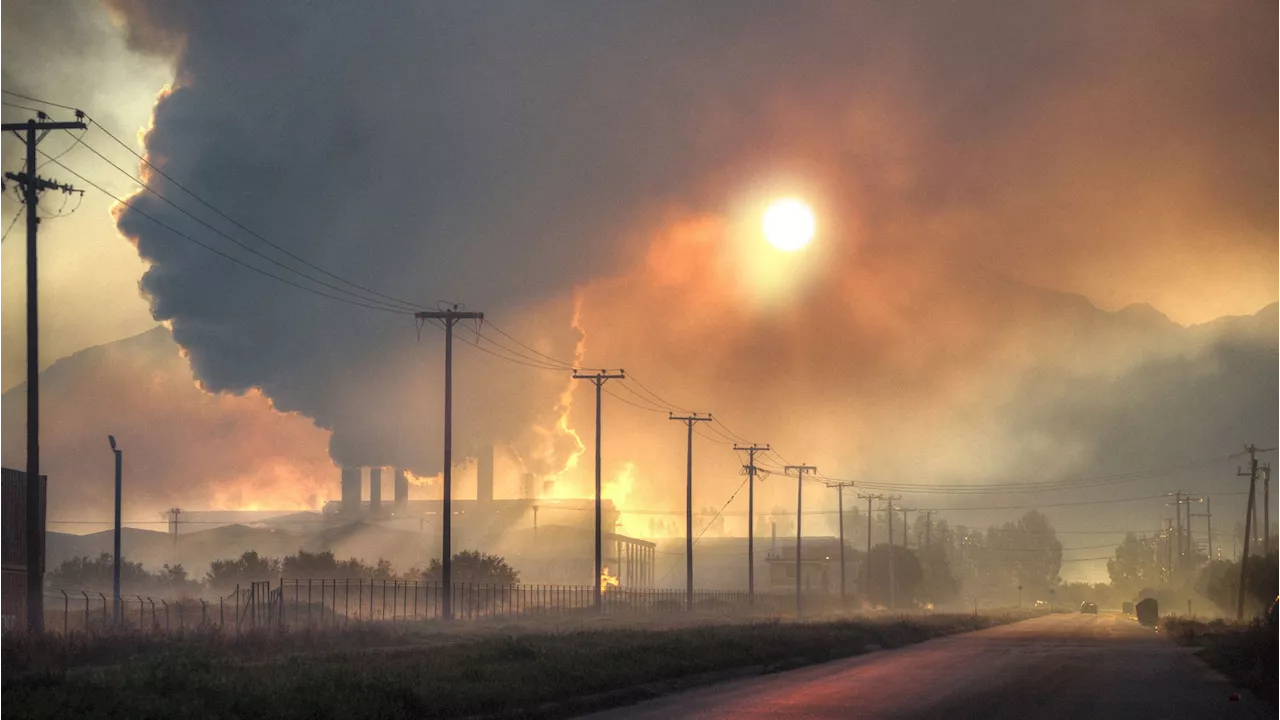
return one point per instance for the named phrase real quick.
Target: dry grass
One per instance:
(505, 670)
(1244, 652)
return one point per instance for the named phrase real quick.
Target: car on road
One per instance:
(1041, 604)
(1088, 607)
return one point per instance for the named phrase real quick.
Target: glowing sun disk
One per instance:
(788, 224)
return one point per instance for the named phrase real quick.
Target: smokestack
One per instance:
(350, 489)
(401, 488)
(484, 474)
(375, 490)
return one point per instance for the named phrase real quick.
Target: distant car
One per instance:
(1042, 604)
(1128, 608)
(1088, 607)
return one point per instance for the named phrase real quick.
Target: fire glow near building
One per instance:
(549, 540)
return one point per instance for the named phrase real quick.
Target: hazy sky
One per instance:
(985, 177)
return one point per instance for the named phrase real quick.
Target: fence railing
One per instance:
(292, 604)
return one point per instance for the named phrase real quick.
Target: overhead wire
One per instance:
(401, 306)
(705, 528)
(216, 251)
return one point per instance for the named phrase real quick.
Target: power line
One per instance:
(408, 305)
(216, 251)
(403, 305)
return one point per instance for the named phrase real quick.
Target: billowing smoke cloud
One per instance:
(961, 158)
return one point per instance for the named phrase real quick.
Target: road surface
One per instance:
(1074, 667)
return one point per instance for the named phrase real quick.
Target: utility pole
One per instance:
(867, 591)
(928, 528)
(1208, 523)
(1191, 544)
(1253, 451)
(32, 184)
(449, 318)
(893, 590)
(115, 563)
(1266, 508)
(840, 486)
(800, 473)
(173, 514)
(598, 379)
(689, 421)
(750, 467)
(904, 512)
(1177, 511)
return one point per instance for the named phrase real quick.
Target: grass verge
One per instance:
(1246, 653)
(486, 675)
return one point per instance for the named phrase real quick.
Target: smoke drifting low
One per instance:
(973, 168)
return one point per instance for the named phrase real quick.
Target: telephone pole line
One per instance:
(1266, 508)
(866, 592)
(750, 467)
(893, 590)
(800, 473)
(1253, 451)
(840, 486)
(449, 318)
(32, 185)
(598, 379)
(689, 421)
(904, 511)
(928, 528)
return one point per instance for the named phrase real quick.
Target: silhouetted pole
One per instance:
(1248, 527)
(598, 379)
(32, 184)
(1266, 508)
(800, 472)
(115, 561)
(893, 589)
(689, 421)
(449, 317)
(867, 591)
(840, 516)
(751, 518)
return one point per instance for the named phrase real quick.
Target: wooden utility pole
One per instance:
(904, 512)
(840, 486)
(800, 473)
(928, 528)
(598, 379)
(750, 467)
(867, 591)
(32, 185)
(689, 421)
(893, 590)
(1266, 508)
(449, 317)
(1253, 451)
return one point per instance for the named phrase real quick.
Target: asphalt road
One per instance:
(1074, 667)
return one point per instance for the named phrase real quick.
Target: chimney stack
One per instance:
(484, 474)
(350, 489)
(375, 490)
(401, 488)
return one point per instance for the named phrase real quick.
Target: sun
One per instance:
(788, 224)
